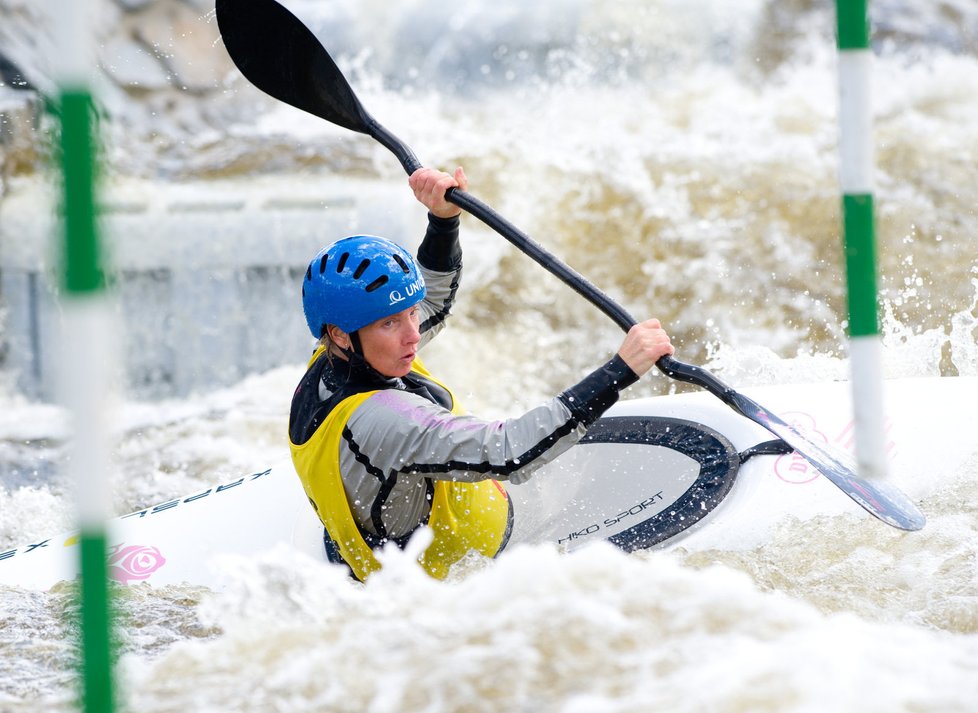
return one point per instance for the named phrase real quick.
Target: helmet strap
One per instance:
(355, 346)
(354, 352)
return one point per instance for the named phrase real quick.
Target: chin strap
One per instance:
(355, 356)
(354, 352)
(355, 343)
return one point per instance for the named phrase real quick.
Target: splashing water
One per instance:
(682, 156)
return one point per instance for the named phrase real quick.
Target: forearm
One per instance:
(599, 390)
(413, 436)
(440, 261)
(440, 249)
(437, 444)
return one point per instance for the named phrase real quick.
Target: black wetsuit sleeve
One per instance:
(599, 390)
(440, 250)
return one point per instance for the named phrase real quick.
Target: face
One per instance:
(390, 344)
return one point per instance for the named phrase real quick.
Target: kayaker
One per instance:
(381, 446)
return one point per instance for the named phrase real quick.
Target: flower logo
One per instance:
(134, 563)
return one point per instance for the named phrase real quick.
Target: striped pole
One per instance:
(86, 347)
(859, 235)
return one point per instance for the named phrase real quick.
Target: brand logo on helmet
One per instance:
(410, 290)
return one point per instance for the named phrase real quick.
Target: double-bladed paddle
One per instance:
(277, 53)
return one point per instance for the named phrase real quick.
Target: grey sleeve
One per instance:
(408, 434)
(396, 442)
(400, 432)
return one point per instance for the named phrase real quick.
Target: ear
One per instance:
(339, 337)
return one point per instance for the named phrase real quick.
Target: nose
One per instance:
(412, 334)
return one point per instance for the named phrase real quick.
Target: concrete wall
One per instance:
(206, 276)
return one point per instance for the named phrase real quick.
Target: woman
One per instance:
(380, 445)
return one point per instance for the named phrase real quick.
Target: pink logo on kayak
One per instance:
(134, 563)
(792, 467)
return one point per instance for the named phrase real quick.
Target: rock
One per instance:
(133, 5)
(185, 41)
(131, 65)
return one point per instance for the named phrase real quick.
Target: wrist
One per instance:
(596, 393)
(448, 213)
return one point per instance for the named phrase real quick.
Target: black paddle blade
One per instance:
(281, 56)
(877, 497)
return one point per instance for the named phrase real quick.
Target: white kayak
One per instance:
(652, 472)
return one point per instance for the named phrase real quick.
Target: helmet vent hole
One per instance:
(322, 263)
(360, 269)
(342, 263)
(400, 261)
(379, 282)
(309, 273)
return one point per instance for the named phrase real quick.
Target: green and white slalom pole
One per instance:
(859, 235)
(87, 346)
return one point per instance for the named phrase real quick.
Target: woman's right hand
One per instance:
(645, 343)
(429, 186)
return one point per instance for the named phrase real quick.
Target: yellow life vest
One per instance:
(464, 516)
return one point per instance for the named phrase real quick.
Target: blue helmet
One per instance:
(358, 280)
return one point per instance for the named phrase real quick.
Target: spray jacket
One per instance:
(380, 457)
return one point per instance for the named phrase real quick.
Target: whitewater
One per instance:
(682, 156)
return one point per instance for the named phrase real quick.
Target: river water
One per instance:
(682, 156)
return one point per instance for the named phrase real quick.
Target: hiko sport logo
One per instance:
(412, 289)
